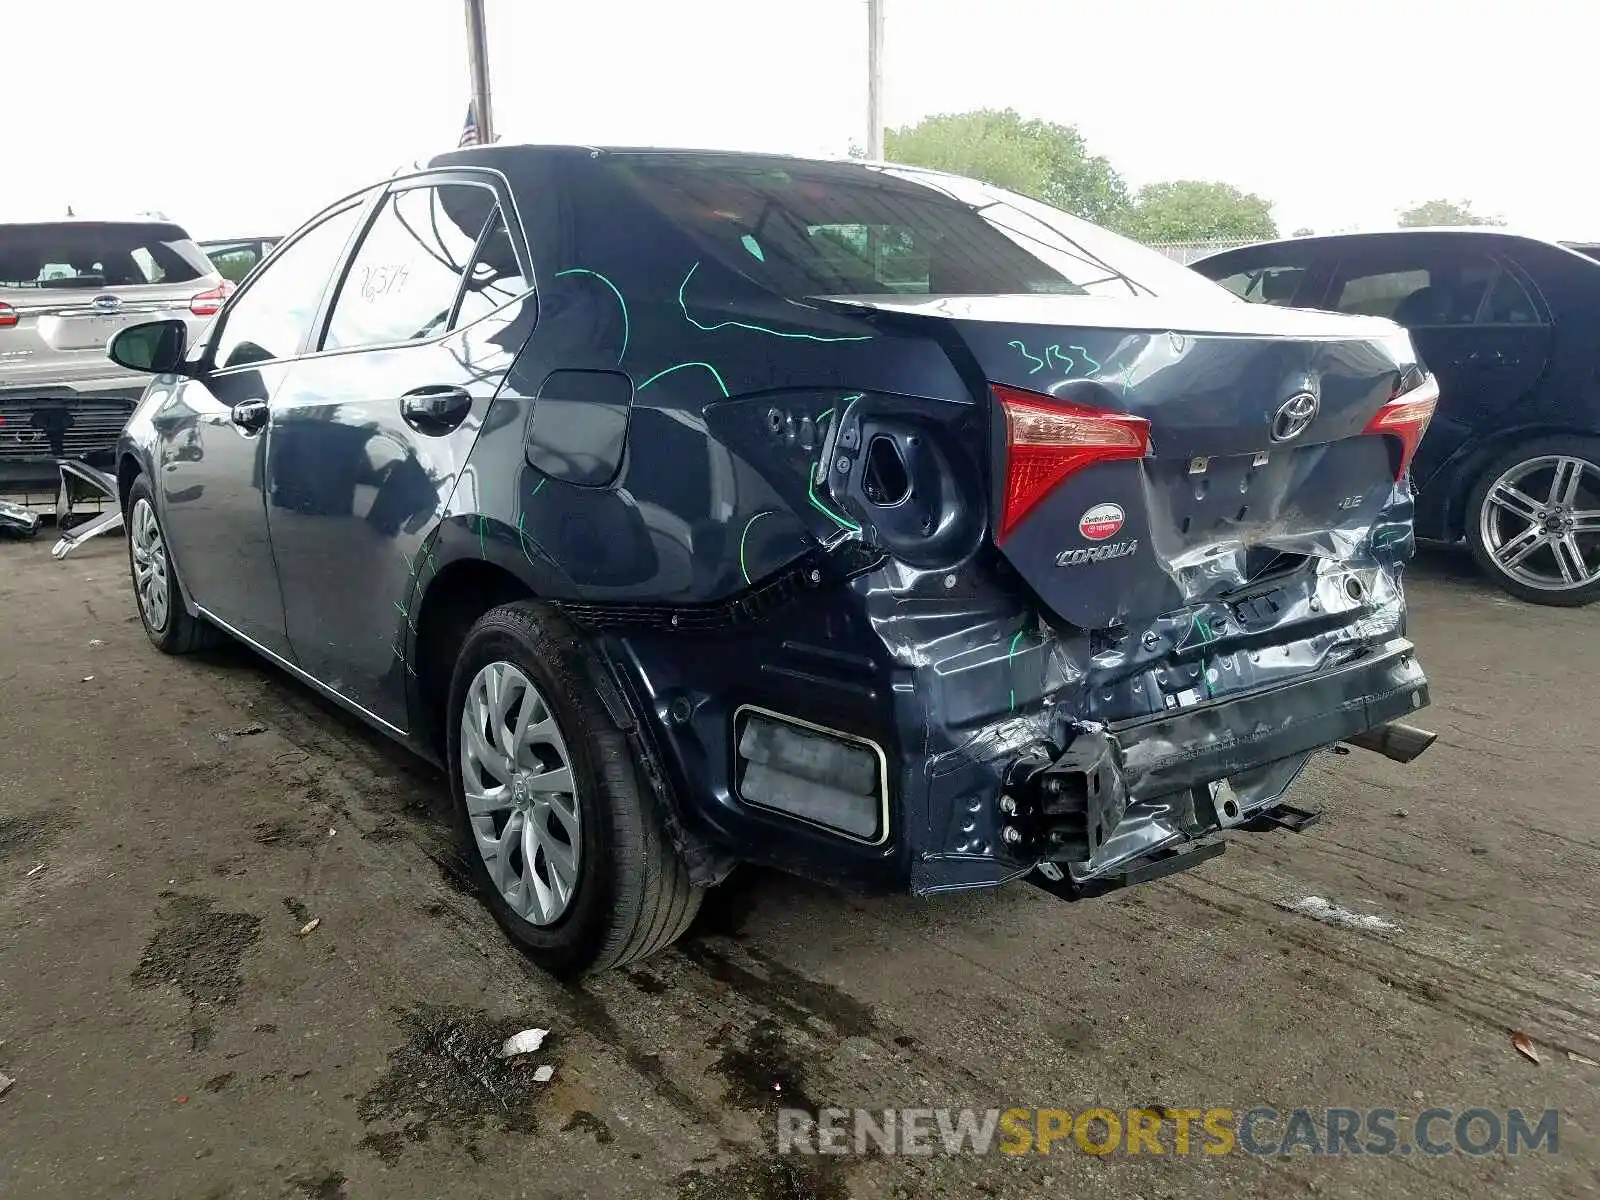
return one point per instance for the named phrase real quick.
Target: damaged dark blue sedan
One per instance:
(868, 522)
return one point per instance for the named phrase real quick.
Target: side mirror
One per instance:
(154, 347)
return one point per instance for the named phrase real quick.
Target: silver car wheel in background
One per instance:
(1536, 532)
(522, 800)
(150, 566)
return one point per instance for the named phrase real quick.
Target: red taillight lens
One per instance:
(1048, 439)
(210, 302)
(1405, 418)
(8, 316)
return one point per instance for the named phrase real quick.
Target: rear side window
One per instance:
(406, 273)
(1435, 288)
(58, 256)
(812, 229)
(495, 278)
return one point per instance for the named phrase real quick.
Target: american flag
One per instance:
(469, 131)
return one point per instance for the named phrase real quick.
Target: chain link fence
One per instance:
(1188, 252)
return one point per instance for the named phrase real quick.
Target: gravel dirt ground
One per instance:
(168, 829)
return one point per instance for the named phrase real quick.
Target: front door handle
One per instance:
(250, 415)
(436, 409)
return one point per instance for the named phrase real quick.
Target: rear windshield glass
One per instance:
(86, 254)
(821, 229)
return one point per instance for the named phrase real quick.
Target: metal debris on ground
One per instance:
(309, 927)
(1581, 1060)
(5, 1083)
(88, 678)
(544, 1074)
(1525, 1047)
(1319, 908)
(36, 869)
(525, 1042)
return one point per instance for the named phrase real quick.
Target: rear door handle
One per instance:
(435, 409)
(250, 415)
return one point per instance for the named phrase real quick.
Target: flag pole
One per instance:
(478, 63)
(875, 80)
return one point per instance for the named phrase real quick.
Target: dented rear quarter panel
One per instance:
(675, 457)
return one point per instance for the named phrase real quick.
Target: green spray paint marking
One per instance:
(680, 367)
(811, 494)
(1010, 654)
(754, 247)
(799, 337)
(743, 569)
(1039, 362)
(483, 548)
(1087, 357)
(401, 609)
(1056, 351)
(616, 291)
(522, 534)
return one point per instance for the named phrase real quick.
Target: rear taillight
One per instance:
(1405, 419)
(8, 316)
(1049, 439)
(210, 302)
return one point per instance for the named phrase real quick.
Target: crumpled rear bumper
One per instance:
(1120, 792)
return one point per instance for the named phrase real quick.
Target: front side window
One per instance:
(1429, 290)
(270, 318)
(405, 274)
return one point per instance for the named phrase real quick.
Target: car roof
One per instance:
(142, 218)
(1464, 232)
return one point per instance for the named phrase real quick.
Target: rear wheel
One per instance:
(1534, 521)
(169, 626)
(565, 841)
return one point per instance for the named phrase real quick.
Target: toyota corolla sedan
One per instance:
(694, 509)
(1508, 324)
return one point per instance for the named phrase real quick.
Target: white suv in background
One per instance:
(66, 286)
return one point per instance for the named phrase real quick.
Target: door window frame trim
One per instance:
(362, 198)
(486, 177)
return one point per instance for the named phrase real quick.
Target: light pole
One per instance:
(478, 63)
(875, 79)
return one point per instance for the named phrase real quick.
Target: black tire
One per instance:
(1572, 446)
(178, 632)
(633, 897)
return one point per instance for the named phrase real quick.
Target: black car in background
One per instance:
(1510, 325)
(869, 522)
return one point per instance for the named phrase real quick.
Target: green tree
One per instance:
(1041, 159)
(1444, 212)
(1189, 210)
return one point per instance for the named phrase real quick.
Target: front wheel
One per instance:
(566, 843)
(168, 625)
(1534, 521)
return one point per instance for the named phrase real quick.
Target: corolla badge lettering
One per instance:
(1096, 554)
(1101, 522)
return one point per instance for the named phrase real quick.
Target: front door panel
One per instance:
(210, 482)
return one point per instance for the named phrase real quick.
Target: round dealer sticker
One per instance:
(1100, 522)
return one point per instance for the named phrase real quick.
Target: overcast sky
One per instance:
(244, 116)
